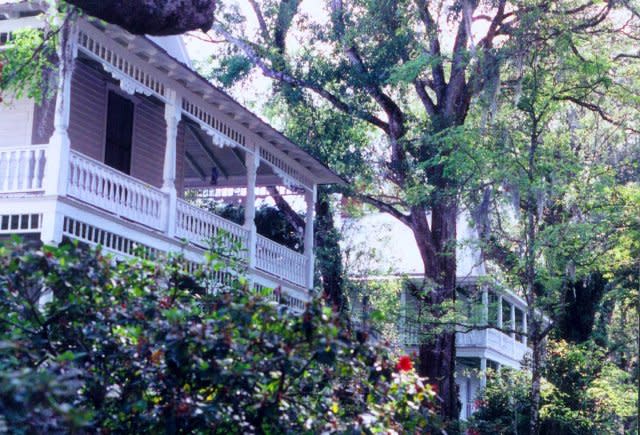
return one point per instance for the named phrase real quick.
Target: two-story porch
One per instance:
(131, 131)
(491, 333)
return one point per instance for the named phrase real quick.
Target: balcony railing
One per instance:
(492, 339)
(97, 184)
(22, 169)
(201, 227)
(90, 181)
(280, 261)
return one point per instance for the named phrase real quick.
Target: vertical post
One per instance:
(310, 199)
(513, 321)
(403, 320)
(524, 328)
(499, 311)
(52, 223)
(483, 372)
(252, 161)
(59, 148)
(485, 305)
(172, 116)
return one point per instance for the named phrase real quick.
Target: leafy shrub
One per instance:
(582, 393)
(141, 346)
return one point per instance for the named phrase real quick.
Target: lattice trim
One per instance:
(115, 243)
(231, 137)
(290, 176)
(20, 223)
(131, 77)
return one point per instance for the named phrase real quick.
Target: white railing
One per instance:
(104, 187)
(201, 227)
(280, 261)
(22, 169)
(492, 339)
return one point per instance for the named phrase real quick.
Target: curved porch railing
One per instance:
(280, 261)
(201, 227)
(22, 171)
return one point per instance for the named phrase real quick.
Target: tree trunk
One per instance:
(437, 356)
(329, 255)
(537, 346)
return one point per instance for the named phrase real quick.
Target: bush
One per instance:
(583, 393)
(142, 346)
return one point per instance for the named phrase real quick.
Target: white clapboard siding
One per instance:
(16, 118)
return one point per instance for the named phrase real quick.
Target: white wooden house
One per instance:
(130, 129)
(498, 313)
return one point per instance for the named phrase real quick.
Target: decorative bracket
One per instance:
(127, 84)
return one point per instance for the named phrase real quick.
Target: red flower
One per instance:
(435, 388)
(473, 431)
(404, 364)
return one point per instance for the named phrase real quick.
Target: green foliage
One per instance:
(503, 407)
(582, 393)
(27, 64)
(142, 346)
(231, 69)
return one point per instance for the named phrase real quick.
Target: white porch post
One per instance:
(59, 148)
(524, 328)
(485, 306)
(483, 372)
(172, 116)
(252, 161)
(311, 197)
(499, 311)
(513, 321)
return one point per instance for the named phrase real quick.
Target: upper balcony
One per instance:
(130, 133)
(23, 175)
(496, 319)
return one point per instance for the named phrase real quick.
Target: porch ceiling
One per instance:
(201, 156)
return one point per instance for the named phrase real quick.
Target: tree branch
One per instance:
(284, 77)
(437, 68)
(292, 217)
(264, 30)
(385, 208)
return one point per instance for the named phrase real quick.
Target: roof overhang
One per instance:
(153, 53)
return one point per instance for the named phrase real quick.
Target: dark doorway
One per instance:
(119, 132)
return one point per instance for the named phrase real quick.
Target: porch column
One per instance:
(499, 311)
(513, 321)
(59, 149)
(311, 197)
(403, 318)
(172, 116)
(483, 372)
(57, 167)
(252, 161)
(525, 328)
(485, 306)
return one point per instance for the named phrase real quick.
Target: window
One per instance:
(493, 309)
(519, 324)
(506, 315)
(119, 139)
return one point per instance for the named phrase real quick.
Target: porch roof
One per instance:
(155, 55)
